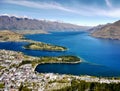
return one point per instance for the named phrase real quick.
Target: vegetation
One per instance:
(59, 59)
(2, 67)
(24, 88)
(24, 62)
(2, 85)
(69, 58)
(40, 60)
(44, 46)
(77, 85)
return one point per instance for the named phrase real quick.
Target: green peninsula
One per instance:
(44, 46)
(59, 59)
(42, 60)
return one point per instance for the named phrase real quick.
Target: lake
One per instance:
(101, 57)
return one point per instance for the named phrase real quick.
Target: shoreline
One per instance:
(61, 62)
(57, 63)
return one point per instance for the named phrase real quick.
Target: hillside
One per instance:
(93, 29)
(7, 35)
(110, 31)
(26, 25)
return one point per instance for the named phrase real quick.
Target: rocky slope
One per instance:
(26, 25)
(93, 29)
(110, 31)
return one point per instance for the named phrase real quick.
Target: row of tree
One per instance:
(91, 86)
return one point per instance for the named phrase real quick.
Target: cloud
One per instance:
(80, 10)
(108, 3)
(39, 5)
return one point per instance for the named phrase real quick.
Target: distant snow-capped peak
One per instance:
(11, 15)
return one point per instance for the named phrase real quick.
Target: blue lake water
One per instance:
(101, 56)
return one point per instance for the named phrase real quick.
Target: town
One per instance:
(24, 78)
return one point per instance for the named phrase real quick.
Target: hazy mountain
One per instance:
(111, 31)
(26, 25)
(93, 29)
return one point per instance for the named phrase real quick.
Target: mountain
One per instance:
(93, 29)
(110, 31)
(26, 25)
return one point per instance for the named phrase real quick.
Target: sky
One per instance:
(80, 12)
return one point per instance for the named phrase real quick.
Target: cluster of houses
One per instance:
(12, 76)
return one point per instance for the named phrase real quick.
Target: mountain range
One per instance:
(109, 31)
(27, 25)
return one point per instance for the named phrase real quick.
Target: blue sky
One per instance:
(81, 12)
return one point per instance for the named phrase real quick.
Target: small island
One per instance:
(44, 46)
(6, 35)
